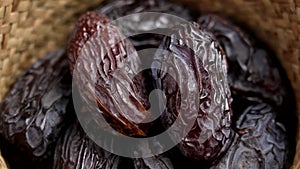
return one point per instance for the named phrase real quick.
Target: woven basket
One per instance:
(31, 28)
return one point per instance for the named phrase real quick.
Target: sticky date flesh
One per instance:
(200, 63)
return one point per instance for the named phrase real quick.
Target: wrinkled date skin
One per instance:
(138, 31)
(252, 69)
(199, 68)
(76, 150)
(106, 67)
(33, 111)
(36, 108)
(261, 142)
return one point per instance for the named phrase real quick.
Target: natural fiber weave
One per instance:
(30, 28)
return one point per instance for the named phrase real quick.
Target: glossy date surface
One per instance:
(199, 66)
(105, 66)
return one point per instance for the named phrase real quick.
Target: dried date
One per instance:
(76, 150)
(200, 68)
(106, 67)
(253, 70)
(35, 110)
(261, 141)
(254, 74)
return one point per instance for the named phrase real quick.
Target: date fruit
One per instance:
(261, 143)
(142, 31)
(254, 74)
(105, 66)
(252, 69)
(38, 106)
(199, 65)
(76, 150)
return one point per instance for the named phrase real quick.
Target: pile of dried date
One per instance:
(245, 117)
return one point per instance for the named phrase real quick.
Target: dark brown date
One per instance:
(34, 111)
(254, 74)
(253, 70)
(261, 141)
(138, 29)
(199, 67)
(106, 67)
(76, 150)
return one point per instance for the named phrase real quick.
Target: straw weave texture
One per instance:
(31, 28)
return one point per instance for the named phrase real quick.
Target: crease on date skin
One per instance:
(33, 112)
(76, 150)
(104, 66)
(263, 145)
(200, 54)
